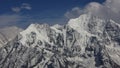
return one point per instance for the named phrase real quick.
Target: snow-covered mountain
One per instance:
(85, 42)
(8, 33)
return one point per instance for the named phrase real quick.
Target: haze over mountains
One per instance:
(8, 34)
(84, 42)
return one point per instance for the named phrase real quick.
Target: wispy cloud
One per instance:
(26, 6)
(23, 6)
(16, 9)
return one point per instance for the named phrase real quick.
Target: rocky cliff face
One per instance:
(85, 42)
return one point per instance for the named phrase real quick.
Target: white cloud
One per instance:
(75, 12)
(24, 6)
(114, 5)
(110, 9)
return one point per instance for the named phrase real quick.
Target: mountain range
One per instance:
(84, 42)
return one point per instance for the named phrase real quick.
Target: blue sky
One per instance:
(39, 11)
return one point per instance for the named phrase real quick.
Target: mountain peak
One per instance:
(80, 22)
(40, 32)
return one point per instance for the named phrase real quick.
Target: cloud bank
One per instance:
(9, 19)
(110, 9)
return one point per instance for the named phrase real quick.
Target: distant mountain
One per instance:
(85, 42)
(8, 33)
